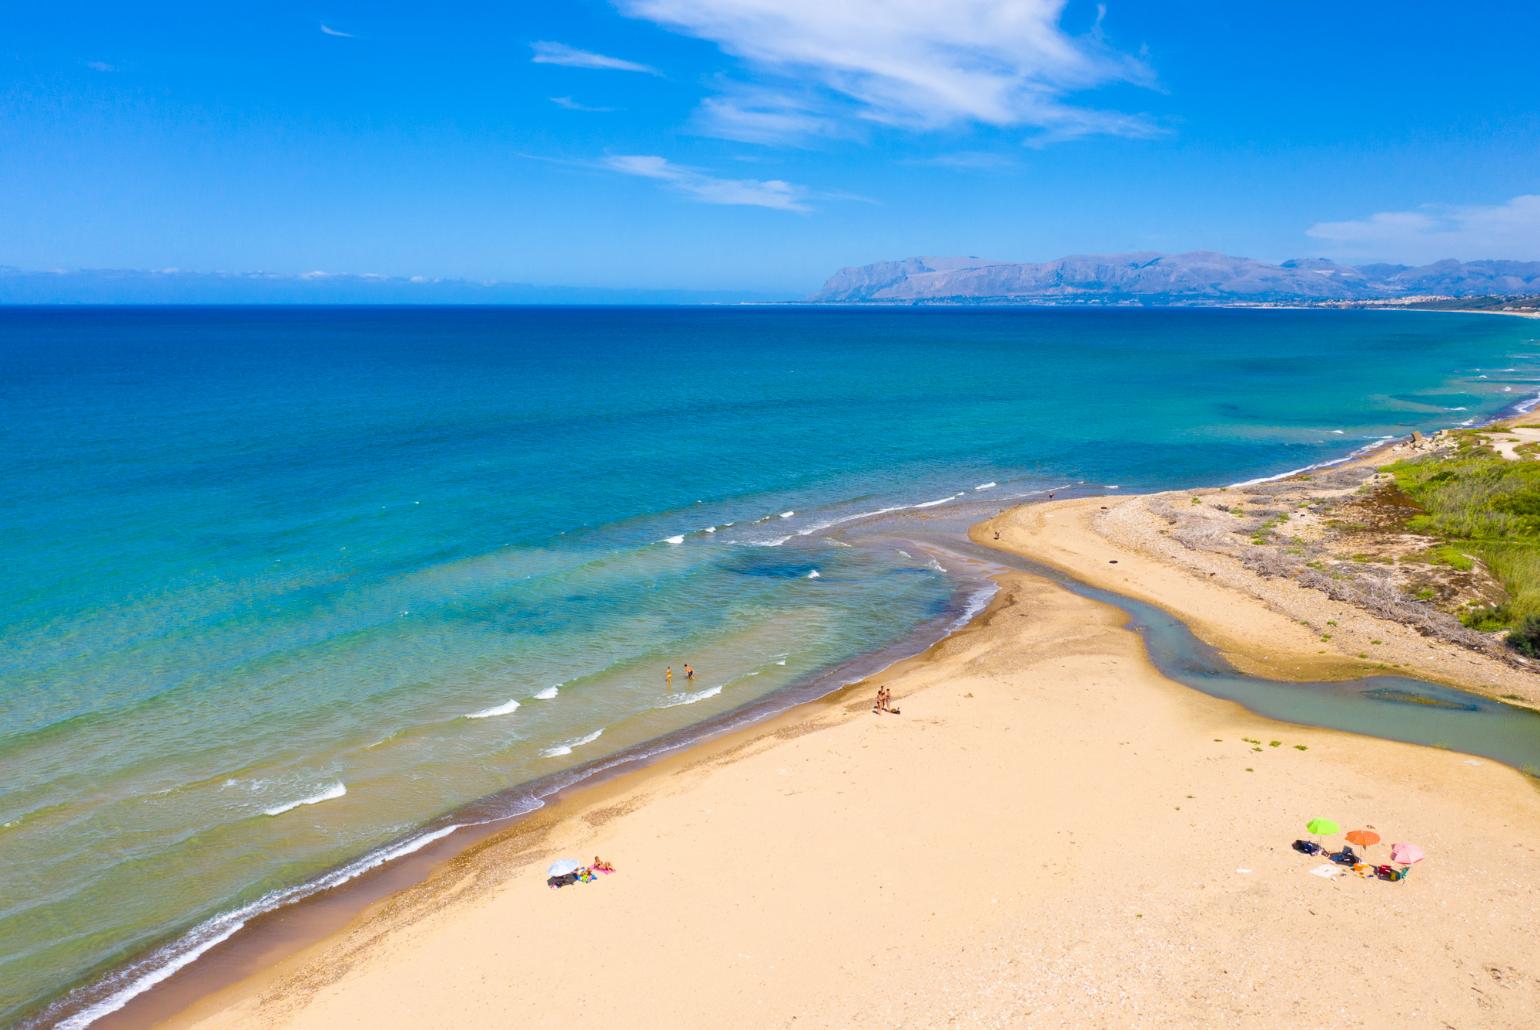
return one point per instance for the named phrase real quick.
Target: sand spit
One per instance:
(1050, 834)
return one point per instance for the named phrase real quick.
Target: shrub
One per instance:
(1525, 638)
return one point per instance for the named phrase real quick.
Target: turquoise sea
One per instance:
(288, 592)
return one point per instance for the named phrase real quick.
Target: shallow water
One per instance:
(285, 585)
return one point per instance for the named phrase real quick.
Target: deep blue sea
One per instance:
(284, 587)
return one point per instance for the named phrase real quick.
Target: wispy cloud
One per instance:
(711, 189)
(561, 53)
(1436, 231)
(329, 31)
(100, 66)
(916, 64)
(764, 117)
(969, 161)
(573, 105)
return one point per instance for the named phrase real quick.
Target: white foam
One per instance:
(813, 574)
(566, 749)
(709, 529)
(1112, 486)
(1365, 449)
(943, 500)
(787, 514)
(674, 539)
(675, 700)
(905, 553)
(1338, 432)
(331, 793)
(506, 708)
(987, 486)
(977, 602)
(781, 662)
(548, 694)
(933, 563)
(145, 974)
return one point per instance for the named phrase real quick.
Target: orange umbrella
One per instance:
(1363, 838)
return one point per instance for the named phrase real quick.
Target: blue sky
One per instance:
(759, 144)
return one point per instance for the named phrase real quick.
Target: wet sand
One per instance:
(1051, 832)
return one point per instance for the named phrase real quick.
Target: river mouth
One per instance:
(1389, 707)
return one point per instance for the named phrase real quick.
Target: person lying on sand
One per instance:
(601, 866)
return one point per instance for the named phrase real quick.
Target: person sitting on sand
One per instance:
(601, 866)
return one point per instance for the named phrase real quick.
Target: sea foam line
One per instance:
(675, 700)
(506, 708)
(191, 946)
(566, 748)
(331, 793)
(1356, 453)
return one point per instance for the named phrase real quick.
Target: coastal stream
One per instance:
(294, 595)
(1391, 707)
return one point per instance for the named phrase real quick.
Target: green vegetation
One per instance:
(1525, 638)
(1484, 507)
(1450, 555)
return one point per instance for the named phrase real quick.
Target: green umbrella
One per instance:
(1323, 827)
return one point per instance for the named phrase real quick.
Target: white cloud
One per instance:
(919, 64)
(561, 53)
(969, 161)
(709, 189)
(328, 30)
(762, 118)
(574, 105)
(1436, 231)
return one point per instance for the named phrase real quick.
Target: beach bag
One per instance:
(1344, 857)
(1307, 847)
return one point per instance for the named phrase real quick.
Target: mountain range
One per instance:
(1197, 277)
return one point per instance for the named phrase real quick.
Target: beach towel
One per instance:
(1326, 871)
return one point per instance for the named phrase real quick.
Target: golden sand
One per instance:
(1051, 833)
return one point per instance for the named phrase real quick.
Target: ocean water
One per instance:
(287, 588)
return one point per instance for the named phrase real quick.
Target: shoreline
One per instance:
(240, 939)
(474, 916)
(434, 856)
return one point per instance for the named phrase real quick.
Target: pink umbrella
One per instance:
(1405, 854)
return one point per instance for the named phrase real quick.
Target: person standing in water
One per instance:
(668, 677)
(689, 673)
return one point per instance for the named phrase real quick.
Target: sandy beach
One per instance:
(1051, 833)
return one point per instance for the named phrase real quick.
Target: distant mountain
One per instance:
(1199, 277)
(174, 286)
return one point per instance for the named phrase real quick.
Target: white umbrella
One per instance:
(563, 866)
